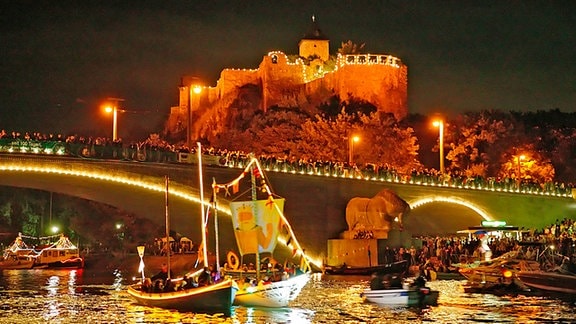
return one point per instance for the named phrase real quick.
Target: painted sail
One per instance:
(256, 224)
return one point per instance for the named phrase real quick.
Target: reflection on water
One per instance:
(88, 296)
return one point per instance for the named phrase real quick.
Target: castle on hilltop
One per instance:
(308, 79)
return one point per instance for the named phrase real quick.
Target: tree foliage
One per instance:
(493, 143)
(386, 142)
(350, 47)
(476, 142)
(382, 140)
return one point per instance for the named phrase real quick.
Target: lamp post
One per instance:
(520, 158)
(114, 110)
(440, 125)
(351, 140)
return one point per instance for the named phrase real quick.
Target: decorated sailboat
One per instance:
(189, 293)
(60, 254)
(18, 256)
(258, 224)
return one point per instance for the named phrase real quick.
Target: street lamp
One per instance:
(114, 110)
(440, 125)
(351, 141)
(520, 158)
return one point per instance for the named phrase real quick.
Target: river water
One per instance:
(91, 296)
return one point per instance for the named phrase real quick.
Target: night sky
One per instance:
(59, 59)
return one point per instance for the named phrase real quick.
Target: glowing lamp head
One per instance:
(197, 89)
(506, 273)
(108, 109)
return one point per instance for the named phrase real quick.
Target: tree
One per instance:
(383, 141)
(525, 164)
(476, 141)
(350, 48)
(386, 142)
(325, 138)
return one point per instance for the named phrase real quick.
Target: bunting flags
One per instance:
(256, 172)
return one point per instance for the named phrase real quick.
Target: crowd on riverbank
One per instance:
(441, 253)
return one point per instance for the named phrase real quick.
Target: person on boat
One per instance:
(419, 282)
(376, 282)
(205, 278)
(160, 280)
(391, 281)
(214, 274)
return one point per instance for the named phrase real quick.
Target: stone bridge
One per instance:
(315, 205)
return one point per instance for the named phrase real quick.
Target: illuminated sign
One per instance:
(493, 223)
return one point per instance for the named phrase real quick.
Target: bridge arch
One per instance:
(114, 184)
(421, 201)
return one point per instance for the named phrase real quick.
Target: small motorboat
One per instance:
(423, 296)
(412, 293)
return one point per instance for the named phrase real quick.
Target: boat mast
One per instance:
(168, 247)
(215, 210)
(200, 175)
(254, 198)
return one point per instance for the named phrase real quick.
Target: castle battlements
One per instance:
(368, 59)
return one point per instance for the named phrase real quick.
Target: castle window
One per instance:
(383, 59)
(274, 59)
(373, 59)
(361, 59)
(350, 59)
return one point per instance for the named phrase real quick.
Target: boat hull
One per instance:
(72, 263)
(402, 297)
(397, 267)
(548, 281)
(274, 294)
(16, 263)
(213, 298)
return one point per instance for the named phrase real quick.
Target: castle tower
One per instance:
(314, 43)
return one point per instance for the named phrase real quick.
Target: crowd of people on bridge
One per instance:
(154, 149)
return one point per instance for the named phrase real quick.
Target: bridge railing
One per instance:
(370, 172)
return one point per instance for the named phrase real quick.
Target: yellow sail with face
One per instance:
(256, 224)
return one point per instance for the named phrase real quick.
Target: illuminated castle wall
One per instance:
(379, 79)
